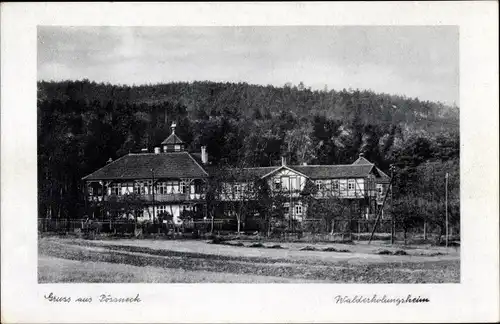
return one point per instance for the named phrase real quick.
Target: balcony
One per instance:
(177, 197)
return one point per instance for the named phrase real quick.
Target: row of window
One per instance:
(145, 187)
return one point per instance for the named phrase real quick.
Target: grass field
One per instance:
(194, 261)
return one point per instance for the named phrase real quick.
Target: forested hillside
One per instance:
(81, 124)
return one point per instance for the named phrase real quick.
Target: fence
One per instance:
(80, 225)
(128, 226)
(307, 230)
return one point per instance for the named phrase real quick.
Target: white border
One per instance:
(475, 299)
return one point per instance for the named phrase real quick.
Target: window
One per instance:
(287, 208)
(380, 190)
(298, 209)
(183, 186)
(319, 185)
(177, 148)
(350, 184)
(237, 190)
(285, 183)
(140, 188)
(162, 188)
(277, 184)
(161, 210)
(116, 189)
(328, 185)
(335, 185)
(127, 188)
(294, 183)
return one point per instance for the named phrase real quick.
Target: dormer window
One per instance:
(177, 148)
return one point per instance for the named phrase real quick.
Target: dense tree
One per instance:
(81, 124)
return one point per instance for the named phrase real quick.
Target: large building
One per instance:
(172, 180)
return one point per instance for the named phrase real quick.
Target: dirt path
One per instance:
(359, 253)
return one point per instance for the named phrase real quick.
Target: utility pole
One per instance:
(153, 193)
(446, 207)
(290, 212)
(393, 223)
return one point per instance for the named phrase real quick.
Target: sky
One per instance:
(414, 61)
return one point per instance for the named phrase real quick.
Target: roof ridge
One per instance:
(153, 153)
(325, 165)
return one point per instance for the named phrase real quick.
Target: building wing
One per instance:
(334, 171)
(147, 165)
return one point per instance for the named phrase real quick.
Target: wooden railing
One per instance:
(157, 197)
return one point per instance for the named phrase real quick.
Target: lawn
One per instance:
(155, 261)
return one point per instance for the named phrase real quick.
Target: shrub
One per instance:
(256, 245)
(332, 249)
(218, 240)
(384, 252)
(400, 252)
(276, 246)
(308, 248)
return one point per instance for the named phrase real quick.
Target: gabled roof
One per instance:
(286, 168)
(310, 171)
(361, 160)
(172, 139)
(138, 166)
(334, 171)
(384, 178)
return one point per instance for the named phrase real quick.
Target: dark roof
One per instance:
(311, 171)
(172, 139)
(384, 178)
(334, 171)
(362, 160)
(242, 174)
(138, 166)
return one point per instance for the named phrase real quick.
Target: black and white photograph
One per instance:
(248, 154)
(253, 162)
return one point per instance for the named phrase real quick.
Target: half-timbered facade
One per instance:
(171, 180)
(360, 183)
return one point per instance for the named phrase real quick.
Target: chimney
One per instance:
(361, 154)
(157, 150)
(173, 127)
(305, 163)
(109, 161)
(283, 161)
(204, 155)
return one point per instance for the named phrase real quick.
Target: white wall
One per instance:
(287, 175)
